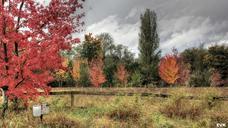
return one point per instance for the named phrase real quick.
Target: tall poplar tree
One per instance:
(149, 46)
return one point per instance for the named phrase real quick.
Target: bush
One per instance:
(123, 110)
(161, 122)
(59, 103)
(136, 79)
(182, 108)
(208, 99)
(61, 121)
(200, 79)
(205, 123)
(218, 117)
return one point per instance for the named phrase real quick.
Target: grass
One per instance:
(125, 112)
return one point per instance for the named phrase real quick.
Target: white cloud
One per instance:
(181, 33)
(126, 34)
(190, 31)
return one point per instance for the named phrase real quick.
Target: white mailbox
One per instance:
(39, 110)
(36, 109)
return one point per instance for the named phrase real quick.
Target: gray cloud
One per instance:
(182, 23)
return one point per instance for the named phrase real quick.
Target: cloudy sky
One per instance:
(182, 23)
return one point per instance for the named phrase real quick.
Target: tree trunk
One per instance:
(5, 102)
(15, 105)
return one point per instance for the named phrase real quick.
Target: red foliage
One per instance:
(216, 79)
(31, 37)
(184, 72)
(96, 74)
(122, 74)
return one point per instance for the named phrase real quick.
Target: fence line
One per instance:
(72, 94)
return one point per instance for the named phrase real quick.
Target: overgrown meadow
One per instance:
(125, 111)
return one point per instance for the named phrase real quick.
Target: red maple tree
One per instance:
(173, 70)
(122, 74)
(184, 71)
(96, 74)
(169, 69)
(31, 37)
(216, 79)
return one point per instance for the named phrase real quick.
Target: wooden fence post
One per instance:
(71, 99)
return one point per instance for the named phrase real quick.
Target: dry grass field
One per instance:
(135, 111)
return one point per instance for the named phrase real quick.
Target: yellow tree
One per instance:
(61, 73)
(77, 62)
(76, 69)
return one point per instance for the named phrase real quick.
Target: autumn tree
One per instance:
(76, 69)
(122, 74)
(96, 74)
(31, 38)
(61, 74)
(216, 79)
(172, 69)
(169, 69)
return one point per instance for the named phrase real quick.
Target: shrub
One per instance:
(208, 99)
(123, 110)
(59, 103)
(200, 78)
(136, 79)
(61, 121)
(218, 117)
(205, 123)
(103, 123)
(182, 108)
(161, 121)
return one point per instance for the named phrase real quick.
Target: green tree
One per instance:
(200, 72)
(119, 55)
(217, 59)
(107, 43)
(195, 57)
(91, 48)
(114, 55)
(136, 79)
(84, 76)
(149, 47)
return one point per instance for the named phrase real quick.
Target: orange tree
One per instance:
(172, 70)
(96, 74)
(122, 74)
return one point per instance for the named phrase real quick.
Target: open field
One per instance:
(97, 111)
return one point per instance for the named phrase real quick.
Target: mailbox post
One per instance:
(40, 110)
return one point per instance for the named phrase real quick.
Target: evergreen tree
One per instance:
(148, 47)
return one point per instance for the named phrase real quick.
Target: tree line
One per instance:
(99, 61)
